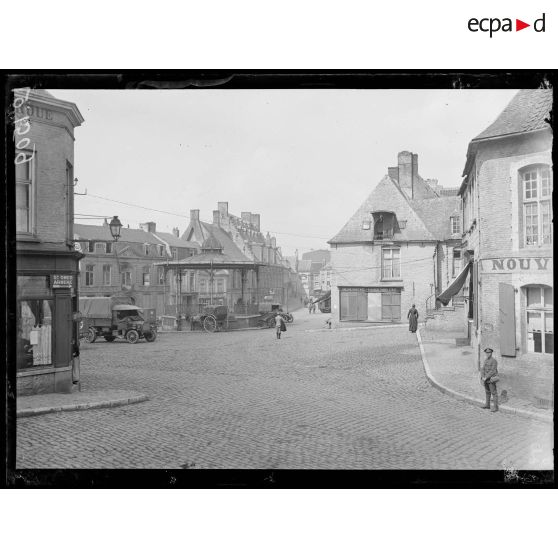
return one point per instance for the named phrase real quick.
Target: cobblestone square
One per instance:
(351, 398)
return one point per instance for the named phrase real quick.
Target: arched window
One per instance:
(536, 208)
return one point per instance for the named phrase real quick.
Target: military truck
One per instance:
(116, 318)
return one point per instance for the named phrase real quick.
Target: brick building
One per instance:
(402, 246)
(240, 238)
(47, 263)
(507, 214)
(128, 266)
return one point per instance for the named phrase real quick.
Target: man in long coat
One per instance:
(412, 316)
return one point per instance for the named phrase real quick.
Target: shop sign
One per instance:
(61, 281)
(384, 289)
(371, 289)
(505, 265)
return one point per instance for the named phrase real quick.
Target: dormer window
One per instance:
(146, 249)
(385, 225)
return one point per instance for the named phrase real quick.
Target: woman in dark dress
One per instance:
(412, 316)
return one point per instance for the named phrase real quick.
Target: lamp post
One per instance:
(115, 227)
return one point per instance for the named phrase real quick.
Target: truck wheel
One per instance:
(132, 336)
(109, 338)
(91, 335)
(150, 336)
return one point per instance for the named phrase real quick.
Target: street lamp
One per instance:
(115, 226)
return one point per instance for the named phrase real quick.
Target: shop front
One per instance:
(47, 322)
(517, 313)
(372, 304)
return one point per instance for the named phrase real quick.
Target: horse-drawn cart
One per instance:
(212, 319)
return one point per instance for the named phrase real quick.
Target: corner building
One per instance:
(507, 213)
(46, 260)
(401, 247)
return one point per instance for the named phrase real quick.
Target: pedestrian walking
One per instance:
(412, 316)
(309, 308)
(279, 325)
(489, 377)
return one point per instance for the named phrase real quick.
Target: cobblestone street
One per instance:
(316, 399)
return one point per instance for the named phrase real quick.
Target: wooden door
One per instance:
(507, 319)
(391, 307)
(62, 330)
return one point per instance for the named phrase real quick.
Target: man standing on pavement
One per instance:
(412, 316)
(279, 325)
(489, 376)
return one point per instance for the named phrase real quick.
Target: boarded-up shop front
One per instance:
(372, 304)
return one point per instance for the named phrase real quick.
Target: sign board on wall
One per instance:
(507, 265)
(372, 289)
(61, 281)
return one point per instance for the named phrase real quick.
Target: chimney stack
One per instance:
(407, 163)
(176, 232)
(393, 173)
(246, 216)
(149, 227)
(255, 220)
(194, 214)
(223, 207)
(273, 242)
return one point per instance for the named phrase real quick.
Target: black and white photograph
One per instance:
(251, 277)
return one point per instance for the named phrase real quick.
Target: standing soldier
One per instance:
(489, 376)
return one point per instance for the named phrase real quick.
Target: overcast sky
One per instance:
(304, 159)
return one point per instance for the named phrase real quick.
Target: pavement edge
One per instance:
(472, 400)
(82, 406)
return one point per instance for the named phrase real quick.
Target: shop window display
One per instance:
(35, 333)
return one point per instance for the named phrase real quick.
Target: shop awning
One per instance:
(323, 297)
(454, 287)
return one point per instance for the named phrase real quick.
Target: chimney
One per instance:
(176, 232)
(408, 171)
(393, 173)
(246, 216)
(148, 227)
(194, 214)
(223, 207)
(216, 217)
(255, 220)
(267, 239)
(273, 242)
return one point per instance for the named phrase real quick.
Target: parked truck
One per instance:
(116, 318)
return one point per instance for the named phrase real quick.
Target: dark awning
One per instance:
(454, 287)
(323, 297)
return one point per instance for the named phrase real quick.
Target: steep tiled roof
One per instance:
(386, 196)
(435, 213)
(176, 242)
(526, 112)
(230, 249)
(102, 233)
